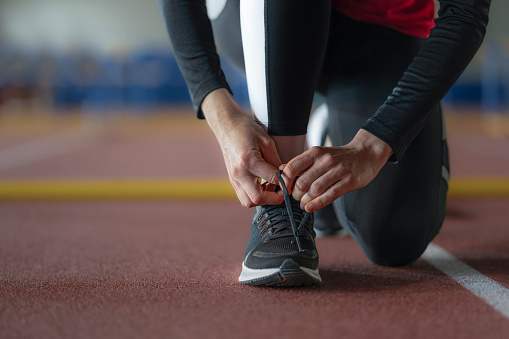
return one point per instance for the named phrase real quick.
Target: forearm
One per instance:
(221, 111)
(193, 45)
(248, 151)
(452, 44)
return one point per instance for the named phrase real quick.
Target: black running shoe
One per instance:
(279, 253)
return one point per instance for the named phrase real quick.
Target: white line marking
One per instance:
(494, 294)
(41, 149)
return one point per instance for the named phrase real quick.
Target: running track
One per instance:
(168, 269)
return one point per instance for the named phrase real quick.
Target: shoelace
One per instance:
(288, 204)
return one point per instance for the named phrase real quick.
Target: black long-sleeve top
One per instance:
(458, 33)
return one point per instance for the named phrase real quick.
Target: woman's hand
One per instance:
(320, 175)
(249, 152)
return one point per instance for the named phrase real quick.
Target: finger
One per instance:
(269, 187)
(270, 154)
(241, 195)
(333, 193)
(285, 179)
(272, 188)
(312, 178)
(296, 166)
(260, 168)
(257, 195)
(317, 186)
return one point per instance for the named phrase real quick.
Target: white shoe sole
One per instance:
(288, 274)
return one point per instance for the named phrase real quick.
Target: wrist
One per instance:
(217, 103)
(365, 140)
(222, 112)
(217, 106)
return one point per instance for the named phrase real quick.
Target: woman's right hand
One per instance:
(249, 152)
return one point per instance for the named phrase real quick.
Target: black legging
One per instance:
(396, 216)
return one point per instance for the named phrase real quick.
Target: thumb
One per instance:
(270, 157)
(264, 170)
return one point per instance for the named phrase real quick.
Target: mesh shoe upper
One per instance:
(272, 239)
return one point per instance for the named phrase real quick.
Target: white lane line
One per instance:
(41, 149)
(494, 294)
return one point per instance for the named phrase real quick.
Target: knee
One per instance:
(396, 250)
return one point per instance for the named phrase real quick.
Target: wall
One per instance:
(103, 25)
(134, 25)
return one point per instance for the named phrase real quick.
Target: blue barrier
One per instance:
(490, 90)
(151, 78)
(491, 77)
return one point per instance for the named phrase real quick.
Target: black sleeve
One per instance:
(193, 45)
(458, 34)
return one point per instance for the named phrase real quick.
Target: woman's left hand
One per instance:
(323, 174)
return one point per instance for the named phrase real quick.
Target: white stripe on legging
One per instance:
(252, 23)
(215, 8)
(491, 292)
(317, 126)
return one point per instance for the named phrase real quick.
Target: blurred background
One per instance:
(93, 107)
(97, 67)
(60, 55)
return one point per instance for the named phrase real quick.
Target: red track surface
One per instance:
(169, 269)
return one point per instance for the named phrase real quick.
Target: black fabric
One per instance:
(272, 254)
(458, 34)
(395, 216)
(296, 34)
(271, 222)
(326, 222)
(363, 57)
(272, 240)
